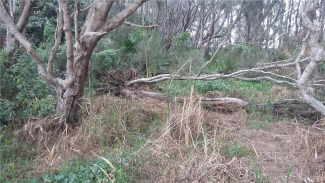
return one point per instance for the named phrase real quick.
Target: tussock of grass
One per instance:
(109, 122)
(191, 147)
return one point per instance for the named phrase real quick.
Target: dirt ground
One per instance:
(280, 145)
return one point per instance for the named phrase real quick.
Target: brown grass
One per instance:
(192, 145)
(108, 119)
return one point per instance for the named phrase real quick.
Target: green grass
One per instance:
(89, 171)
(15, 157)
(258, 124)
(236, 149)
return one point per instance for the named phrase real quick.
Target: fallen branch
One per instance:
(139, 26)
(292, 108)
(229, 104)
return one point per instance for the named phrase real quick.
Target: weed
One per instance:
(288, 174)
(258, 124)
(15, 156)
(233, 149)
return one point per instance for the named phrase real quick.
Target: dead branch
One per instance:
(139, 26)
(230, 104)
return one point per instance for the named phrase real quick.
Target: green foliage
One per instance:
(88, 172)
(236, 57)
(7, 109)
(104, 60)
(288, 174)
(15, 156)
(182, 38)
(233, 149)
(49, 31)
(41, 20)
(257, 124)
(204, 86)
(150, 57)
(23, 92)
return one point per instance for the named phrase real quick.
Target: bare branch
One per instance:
(139, 26)
(25, 14)
(212, 77)
(68, 37)
(58, 36)
(77, 4)
(81, 10)
(301, 54)
(213, 56)
(317, 55)
(38, 7)
(119, 18)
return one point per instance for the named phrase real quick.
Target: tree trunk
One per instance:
(70, 100)
(1, 38)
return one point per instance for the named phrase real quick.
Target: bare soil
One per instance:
(280, 145)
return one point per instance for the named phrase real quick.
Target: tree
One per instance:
(80, 46)
(305, 79)
(314, 35)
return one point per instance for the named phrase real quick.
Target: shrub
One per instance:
(23, 92)
(205, 86)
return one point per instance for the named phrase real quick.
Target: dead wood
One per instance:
(292, 108)
(144, 94)
(228, 104)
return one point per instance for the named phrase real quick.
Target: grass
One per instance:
(143, 140)
(235, 149)
(15, 156)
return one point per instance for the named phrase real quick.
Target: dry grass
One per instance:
(280, 92)
(108, 120)
(193, 145)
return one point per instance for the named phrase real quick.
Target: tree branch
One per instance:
(30, 50)
(119, 18)
(38, 7)
(68, 37)
(139, 26)
(77, 4)
(25, 14)
(57, 37)
(301, 54)
(81, 10)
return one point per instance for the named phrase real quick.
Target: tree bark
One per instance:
(317, 56)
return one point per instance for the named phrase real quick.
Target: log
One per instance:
(292, 108)
(141, 94)
(227, 104)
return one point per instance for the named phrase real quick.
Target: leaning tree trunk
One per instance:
(317, 55)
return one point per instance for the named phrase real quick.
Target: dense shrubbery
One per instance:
(23, 92)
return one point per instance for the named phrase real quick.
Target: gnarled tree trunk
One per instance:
(70, 90)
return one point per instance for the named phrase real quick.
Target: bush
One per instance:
(104, 60)
(204, 86)
(23, 92)
(88, 172)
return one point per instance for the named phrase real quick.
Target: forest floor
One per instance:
(180, 140)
